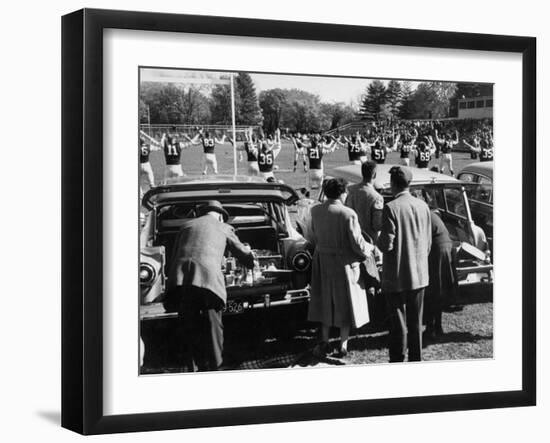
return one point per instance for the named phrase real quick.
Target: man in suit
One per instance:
(405, 240)
(368, 204)
(196, 283)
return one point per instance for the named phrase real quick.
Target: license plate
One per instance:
(233, 307)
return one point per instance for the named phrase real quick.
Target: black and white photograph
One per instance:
(294, 221)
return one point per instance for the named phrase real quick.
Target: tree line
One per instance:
(429, 100)
(297, 110)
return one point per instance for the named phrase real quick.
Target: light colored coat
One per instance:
(338, 297)
(405, 240)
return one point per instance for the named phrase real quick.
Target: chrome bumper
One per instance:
(155, 311)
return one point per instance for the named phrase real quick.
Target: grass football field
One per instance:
(192, 162)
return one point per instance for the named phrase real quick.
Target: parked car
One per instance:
(479, 177)
(258, 212)
(448, 195)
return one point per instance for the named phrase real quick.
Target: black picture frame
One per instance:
(82, 218)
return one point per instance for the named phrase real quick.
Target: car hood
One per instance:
(223, 190)
(352, 173)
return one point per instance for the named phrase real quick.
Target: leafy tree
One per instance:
(373, 101)
(143, 112)
(248, 112)
(168, 103)
(291, 109)
(220, 105)
(301, 111)
(272, 102)
(193, 107)
(336, 114)
(432, 99)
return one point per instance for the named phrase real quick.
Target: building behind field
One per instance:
(475, 107)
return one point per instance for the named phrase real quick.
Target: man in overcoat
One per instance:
(196, 283)
(368, 204)
(338, 297)
(405, 240)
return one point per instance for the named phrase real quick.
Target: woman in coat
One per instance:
(338, 297)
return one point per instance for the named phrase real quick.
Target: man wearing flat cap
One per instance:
(196, 283)
(405, 240)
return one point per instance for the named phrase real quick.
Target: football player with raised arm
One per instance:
(482, 147)
(446, 144)
(357, 150)
(172, 147)
(318, 147)
(146, 176)
(250, 148)
(270, 147)
(408, 139)
(209, 145)
(423, 151)
(382, 147)
(300, 149)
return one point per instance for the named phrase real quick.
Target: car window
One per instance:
(455, 201)
(467, 177)
(434, 198)
(482, 193)
(485, 180)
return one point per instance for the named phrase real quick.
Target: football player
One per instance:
(172, 147)
(317, 148)
(146, 175)
(250, 148)
(270, 148)
(483, 148)
(357, 150)
(382, 147)
(408, 139)
(209, 145)
(446, 144)
(299, 141)
(423, 152)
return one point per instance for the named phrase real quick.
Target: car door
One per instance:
(452, 204)
(480, 198)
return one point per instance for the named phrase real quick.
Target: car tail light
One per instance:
(301, 261)
(146, 273)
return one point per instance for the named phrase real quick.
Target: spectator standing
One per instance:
(196, 283)
(442, 277)
(368, 204)
(338, 298)
(405, 240)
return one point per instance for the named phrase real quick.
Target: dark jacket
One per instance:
(405, 240)
(442, 273)
(198, 254)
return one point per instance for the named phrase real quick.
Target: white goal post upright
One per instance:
(233, 125)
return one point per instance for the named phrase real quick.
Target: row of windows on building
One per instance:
(471, 104)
